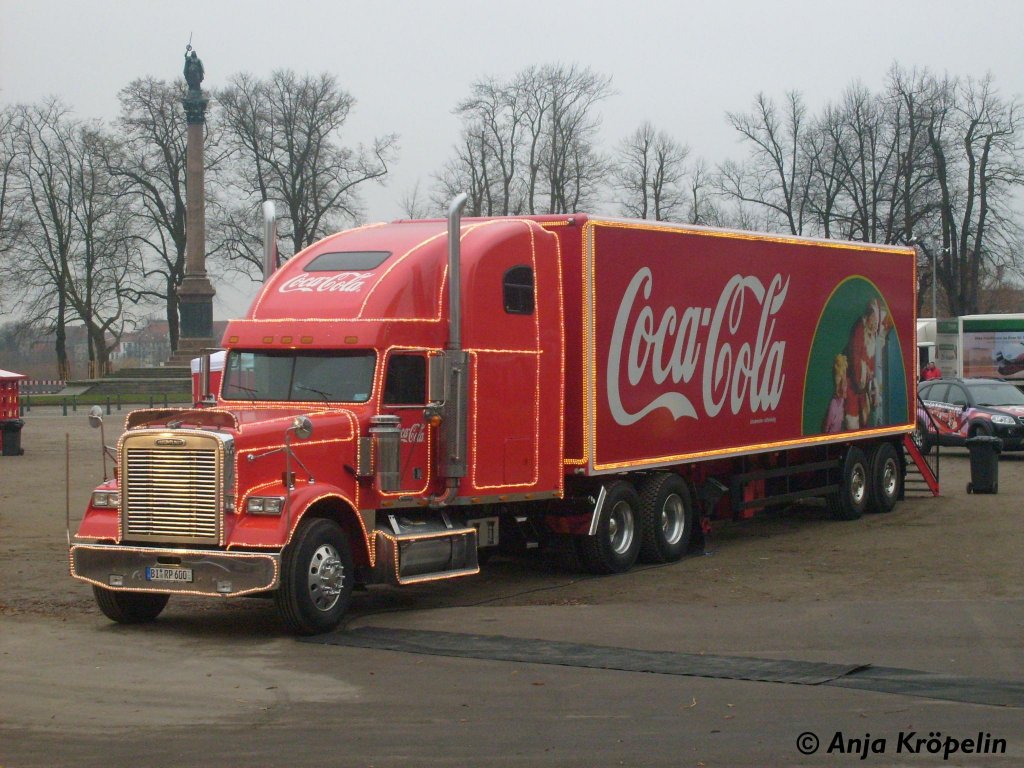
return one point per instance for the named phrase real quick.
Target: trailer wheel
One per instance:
(317, 577)
(129, 607)
(615, 546)
(851, 500)
(886, 478)
(666, 518)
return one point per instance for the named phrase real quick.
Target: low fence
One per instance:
(41, 386)
(110, 403)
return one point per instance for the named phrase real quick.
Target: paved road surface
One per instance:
(934, 587)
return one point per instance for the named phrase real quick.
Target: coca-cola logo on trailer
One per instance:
(652, 358)
(343, 282)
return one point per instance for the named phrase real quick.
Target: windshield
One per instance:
(286, 375)
(997, 394)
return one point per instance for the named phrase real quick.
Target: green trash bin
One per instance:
(984, 464)
(10, 436)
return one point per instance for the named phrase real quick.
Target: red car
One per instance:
(963, 408)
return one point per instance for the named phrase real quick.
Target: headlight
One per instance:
(1005, 420)
(264, 505)
(106, 499)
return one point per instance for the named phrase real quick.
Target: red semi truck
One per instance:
(403, 397)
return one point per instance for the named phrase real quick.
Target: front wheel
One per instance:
(129, 607)
(615, 546)
(317, 577)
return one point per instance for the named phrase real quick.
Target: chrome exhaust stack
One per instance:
(269, 239)
(452, 437)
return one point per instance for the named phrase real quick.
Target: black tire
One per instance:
(615, 546)
(666, 518)
(886, 478)
(922, 439)
(129, 607)
(854, 486)
(317, 577)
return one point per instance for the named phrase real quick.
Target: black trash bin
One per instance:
(10, 436)
(984, 464)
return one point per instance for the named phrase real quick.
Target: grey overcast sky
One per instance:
(678, 63)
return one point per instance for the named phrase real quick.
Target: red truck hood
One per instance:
(249, 424)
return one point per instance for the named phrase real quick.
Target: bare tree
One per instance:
(104, 276)
(571, 163)
(73, 258)
(495, 117)
(285, 135)
(975, 136)
(649, 172)
(470, 172)
(701, 206)
(415, 205)
(151, 161)
(776, 176)
(529, 145)
(9, 200)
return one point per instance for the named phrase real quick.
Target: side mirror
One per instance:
(302, 427)
(96, 417)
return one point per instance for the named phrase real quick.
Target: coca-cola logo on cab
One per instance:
(652, 359)
(343, 282)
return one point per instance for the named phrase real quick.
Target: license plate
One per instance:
(169, 574)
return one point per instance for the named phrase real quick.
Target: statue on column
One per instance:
(193, 69)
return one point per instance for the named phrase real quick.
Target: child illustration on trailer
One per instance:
(862, 394)
(878, 417)
(837, 405)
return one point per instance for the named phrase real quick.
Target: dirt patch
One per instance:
(957, 546)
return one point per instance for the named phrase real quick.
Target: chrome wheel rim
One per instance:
(889, 478)
(858, 484)
(673, 519)
(621, 528)
(326, 577)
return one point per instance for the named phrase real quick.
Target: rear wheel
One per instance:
(666, 518)
(851, 499)
(886, 478)
(615, 546)
(317, 577)
(129, 607)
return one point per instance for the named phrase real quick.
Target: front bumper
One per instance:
(214, 574)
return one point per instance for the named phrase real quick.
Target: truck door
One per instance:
(405, 395)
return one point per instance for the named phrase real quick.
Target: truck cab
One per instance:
(351, 440)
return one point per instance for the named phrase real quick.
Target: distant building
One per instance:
(150, 346)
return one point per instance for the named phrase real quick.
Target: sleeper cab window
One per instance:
(405, 382)
(518, 291)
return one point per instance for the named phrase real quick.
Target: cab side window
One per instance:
(518, 291)
(406, 380)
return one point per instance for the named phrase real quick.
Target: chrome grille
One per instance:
(171, 494)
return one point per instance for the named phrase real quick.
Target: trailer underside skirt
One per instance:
(532, 651)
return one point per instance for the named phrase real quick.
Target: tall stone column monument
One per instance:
(195, 294)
